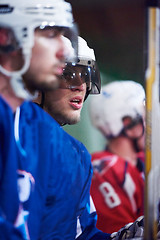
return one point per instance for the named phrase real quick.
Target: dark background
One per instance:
(115, 29)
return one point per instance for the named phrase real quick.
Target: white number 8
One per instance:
(109, 194)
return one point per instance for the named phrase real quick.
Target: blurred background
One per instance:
(115, 29)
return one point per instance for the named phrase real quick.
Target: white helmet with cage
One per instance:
(21, 18)
(117, 100)
(86, 59)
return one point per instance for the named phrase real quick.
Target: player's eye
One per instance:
(68, 75)
(50, 32)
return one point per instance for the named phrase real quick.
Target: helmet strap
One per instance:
(135, 140)
(42, 99)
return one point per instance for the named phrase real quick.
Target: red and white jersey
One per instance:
(117, 190)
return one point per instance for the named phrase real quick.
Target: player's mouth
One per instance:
(76, 102)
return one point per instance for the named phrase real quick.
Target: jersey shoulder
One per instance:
(5, 110)
(32, 111)
(80, 149)
(102, 155)
(107, 164)
(6, 120)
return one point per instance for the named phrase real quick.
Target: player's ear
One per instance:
(10, 54)
(8, 42)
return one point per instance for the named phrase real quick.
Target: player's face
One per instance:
(47, 61)
(136, 132)
(65, 105)
(141, 143)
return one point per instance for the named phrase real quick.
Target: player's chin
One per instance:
(74, 118)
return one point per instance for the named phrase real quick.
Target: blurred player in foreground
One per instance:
(32, 57)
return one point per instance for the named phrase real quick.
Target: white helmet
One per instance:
(84, 52)
(21, 17)
(86, 59)
(117, 100)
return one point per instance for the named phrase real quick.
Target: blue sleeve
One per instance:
(88, 222)
(8, 176)
(97, 236)
(8, 231)
(87, 217)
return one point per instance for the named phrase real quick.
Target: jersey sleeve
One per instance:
(87, 217)
(8, 231)
(9, 202)
(86, 224)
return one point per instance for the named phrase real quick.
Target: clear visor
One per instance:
(76, 75)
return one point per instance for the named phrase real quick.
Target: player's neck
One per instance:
(124, 148)
(7, 93)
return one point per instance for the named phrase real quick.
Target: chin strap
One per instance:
(42, 99)
(16, 80)
(19, 89)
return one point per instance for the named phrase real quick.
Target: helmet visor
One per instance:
(96, 80)
(75, 75)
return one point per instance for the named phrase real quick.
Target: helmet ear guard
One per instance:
(8, 42)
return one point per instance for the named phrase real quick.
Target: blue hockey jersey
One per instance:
(9, 200)
(56, 171)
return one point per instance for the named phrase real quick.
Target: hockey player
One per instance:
(32, 55)
(118, 181)
(26, 29)
(65, 104)
(49, 170)
(78, 81)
